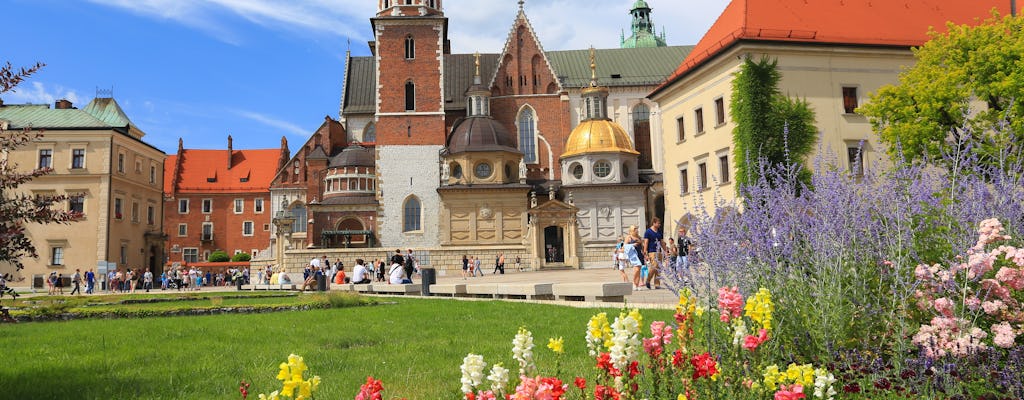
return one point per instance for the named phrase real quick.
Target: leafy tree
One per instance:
(241, 257)
(18, 209)
(219, 256)
(967, 84)
(771, 128)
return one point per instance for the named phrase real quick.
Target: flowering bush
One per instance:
(291, 375)
(983, 291)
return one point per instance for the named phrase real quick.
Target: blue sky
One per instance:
(262, 69)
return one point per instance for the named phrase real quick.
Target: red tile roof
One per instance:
(851, 22)
(199, 166)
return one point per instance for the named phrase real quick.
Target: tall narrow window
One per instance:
(849, 100)
(642, 135)
(411, 215)
(702, 169)
(299, 212)
(257, 206)
(239, 206)
(78, 158)
(680, 129)
(207, 231)
(152, 174)
(410, 96)
(207, 206)
(120, 163)
(855, 157)
(182, 230)
(118, 209)
(528, 135)
(150, 215)
(182, 206)
(247, 228)
(410, 48)
(719, 111)
(723, 168)
(684, 180)
(45, 158)
(57, 256)
(698, 116)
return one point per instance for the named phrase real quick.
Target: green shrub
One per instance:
(241, 257)
(346, 299)
(219, 256)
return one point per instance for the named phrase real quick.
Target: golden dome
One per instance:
(598, 136)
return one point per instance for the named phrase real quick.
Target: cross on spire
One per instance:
(593, 68)
(521, 5)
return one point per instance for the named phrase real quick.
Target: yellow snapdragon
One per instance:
(291, 375)
(556, 345)
(760, 308)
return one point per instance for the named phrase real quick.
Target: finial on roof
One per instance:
(521, 5)
(476, 62)
(593, 68)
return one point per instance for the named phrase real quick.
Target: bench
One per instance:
(363, 288)
(344, 287)
(607, 292)
(531, 291)
(403, 289)
(271, 287)
(482, 290)
(453, 290)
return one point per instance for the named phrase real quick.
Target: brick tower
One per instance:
(411, 42)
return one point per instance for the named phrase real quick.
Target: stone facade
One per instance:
(413, 171)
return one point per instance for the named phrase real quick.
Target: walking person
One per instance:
(465, 266)
(90, 281)
(501, 263)
(683, 244)
(519, 266)
(147, 281)
(653, 243)
(60, 283)
(51, 283)
(632, 246)
(476, 266)
(410, 264)
(76, 280)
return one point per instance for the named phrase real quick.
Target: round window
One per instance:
(577, 171)
(483, 170)
(457, 171)
(602, 169)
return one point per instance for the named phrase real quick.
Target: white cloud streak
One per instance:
(40, 93)
(274, 123)
(474, 25)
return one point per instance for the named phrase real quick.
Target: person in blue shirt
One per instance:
(653, 244)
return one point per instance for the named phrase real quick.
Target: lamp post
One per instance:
(283, 221)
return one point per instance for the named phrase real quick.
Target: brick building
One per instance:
(218, 200)
(408, 108)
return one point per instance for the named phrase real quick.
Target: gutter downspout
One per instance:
(110, 192)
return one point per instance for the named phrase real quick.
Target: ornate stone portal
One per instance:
(552, 237)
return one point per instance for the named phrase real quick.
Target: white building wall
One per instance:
(409, 170)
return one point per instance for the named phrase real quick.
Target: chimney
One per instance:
(230, 152)
(62, 104)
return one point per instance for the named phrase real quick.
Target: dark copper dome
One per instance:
(354, 156)
(480, 134)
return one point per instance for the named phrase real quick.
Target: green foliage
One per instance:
(965, 84)
(219, 256)
(771, 128)
(241, 257)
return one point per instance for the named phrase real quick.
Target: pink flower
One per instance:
(751, 342)
(972, 302)
(944, 306)
(1005, 336)
(791, 392)
(995, 289)
(730, 303)
(993, 307)
(1012, 277)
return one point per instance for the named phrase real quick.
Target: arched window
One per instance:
(642, 135)
(410, 48)
(431, 4)
(299, 212)
(411, 215)
(370, 133)
(387, 4)
(527, 125)
(410, 96)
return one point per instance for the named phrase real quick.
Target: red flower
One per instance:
(751, 342)
(470, 396)
(604, 362)
(677, 359)
(704, 366)
(244, 389)
(580, 383)
(606, 393)
(370, 390)
(634, 369)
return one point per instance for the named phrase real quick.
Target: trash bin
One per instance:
(321, 282)
(428, 276)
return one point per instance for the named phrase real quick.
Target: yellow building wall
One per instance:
(815, 73)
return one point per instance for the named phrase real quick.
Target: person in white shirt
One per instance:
(397, 275)
(359, 273)
(314, 263)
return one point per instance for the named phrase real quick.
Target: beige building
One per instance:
(98, 157)
(829, 53)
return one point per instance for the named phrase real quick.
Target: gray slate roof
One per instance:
(636, 67)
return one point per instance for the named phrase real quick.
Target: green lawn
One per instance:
(414, 345)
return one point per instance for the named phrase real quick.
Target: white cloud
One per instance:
(275, 123)
(40, 93)
(475, 25)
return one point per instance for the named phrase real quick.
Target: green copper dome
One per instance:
(642, 29)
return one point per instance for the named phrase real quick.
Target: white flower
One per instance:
(823, 384)
(499, 379)
(739, 331)
(625, 342)
(472, 372)
(522, 352)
